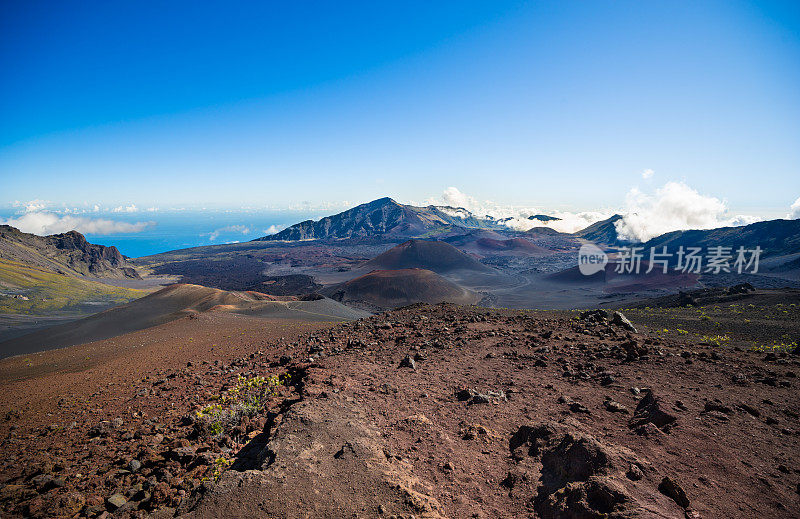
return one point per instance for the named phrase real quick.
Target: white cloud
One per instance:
(455, 198)
(571, 222)
(648, 173)
(794, 211)
(272, 229)
(43, 223)
(126, 209)
(517, 217)
(675, 206)
(307, 206)
(31, 205)
(213, 235)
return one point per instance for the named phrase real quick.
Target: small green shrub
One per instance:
(716, 340)
(247, 398)
(216, 470)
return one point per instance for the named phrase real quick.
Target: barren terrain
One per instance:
(427, 411)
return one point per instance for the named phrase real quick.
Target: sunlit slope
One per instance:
(40, 291)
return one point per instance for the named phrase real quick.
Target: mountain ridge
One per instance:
(382, 217)
(775, 237)
(66, 253)
(604, 231)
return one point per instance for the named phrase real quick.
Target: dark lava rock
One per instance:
(607, 380)
(594, 315)
(573, 484)
(464, 394)
(633, 350)
(116, 501)
(44, 482)
(741, 288)
(408, 362)
(649, 411)
(749, 409)
(615, 407)
(577, 407)
(671, 489)
(479, 398)
(634, 473)
(102, 430)
(620, 320)
(530, 440)
(717, 406)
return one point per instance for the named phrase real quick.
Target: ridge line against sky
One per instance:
(673, 206)
(560, 104)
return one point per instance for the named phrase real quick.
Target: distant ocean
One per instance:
(181, 229)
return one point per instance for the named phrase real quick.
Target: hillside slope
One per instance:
(428, 412)
(438, 256)
(775, 237)
(382, 217)
(604, 231)
(171, 303)
(382, 289)
(26, 289)
(68, 253)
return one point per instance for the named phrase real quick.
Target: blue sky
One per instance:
(557, 105)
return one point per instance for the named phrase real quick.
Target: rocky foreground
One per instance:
(428, 411)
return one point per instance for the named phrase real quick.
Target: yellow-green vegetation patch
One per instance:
(774, 347)
(768, 326)
(220, 465)
(716, 340)
(43, 291)
(247, 398)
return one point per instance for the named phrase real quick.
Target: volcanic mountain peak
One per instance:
(68, 253)
(381, 217)
(604, 231)
(775, 237)
(544, 218)
(437, 256)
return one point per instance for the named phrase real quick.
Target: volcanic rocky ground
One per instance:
(425, 411)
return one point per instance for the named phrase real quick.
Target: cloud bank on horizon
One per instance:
(39, 217)
(794, 211)
(517, 218)
(44, 223)
(229, 229)
(673, 207)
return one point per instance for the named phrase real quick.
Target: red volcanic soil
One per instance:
(393, 288)
(428, 411)
(175, 302)
(437, 256)
(49, 401)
